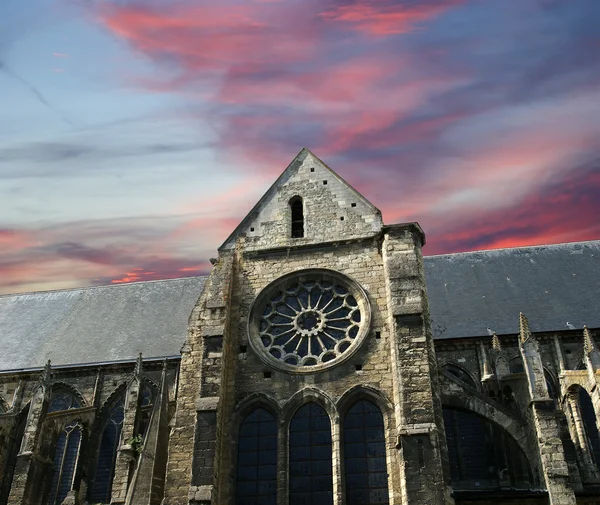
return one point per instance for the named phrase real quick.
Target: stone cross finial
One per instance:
(588, 342)
(524, 331)
(496, 346)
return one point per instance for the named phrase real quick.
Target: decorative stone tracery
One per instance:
(309, 320)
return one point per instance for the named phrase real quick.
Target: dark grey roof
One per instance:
(98, 324)
(551, 285)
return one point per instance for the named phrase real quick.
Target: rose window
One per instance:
(307, 320)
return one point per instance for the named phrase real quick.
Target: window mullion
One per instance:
(338, 490)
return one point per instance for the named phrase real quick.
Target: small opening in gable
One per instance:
(267, 375)
(312, 169)
(297, 211)
(353, 204)
(252, 229)
(341, 218)
(358, 367)
(324, 183)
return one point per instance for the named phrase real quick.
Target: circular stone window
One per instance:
(309, 320)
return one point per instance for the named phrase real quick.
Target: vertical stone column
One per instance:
(30, 466)
(126, 454)
(193, 441)
(421, 438)
(554, 465)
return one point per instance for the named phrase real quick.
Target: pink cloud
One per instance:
(60, 55)
(389, 18)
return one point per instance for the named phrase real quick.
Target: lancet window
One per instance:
(65, 462)
(257, 459)
(364, 455)
(107, 455)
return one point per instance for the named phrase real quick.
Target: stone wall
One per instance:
(28, 432)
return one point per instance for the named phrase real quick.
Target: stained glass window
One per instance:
(310, 458)
(107, 455)
(257, 460)
(482, 454)
(65, 462)
(364, 455)
(63, 400)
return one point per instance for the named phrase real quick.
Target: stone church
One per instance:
(323, 361)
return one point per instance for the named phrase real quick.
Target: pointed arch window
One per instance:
(146, 405)
(63, 400)
(310, 458)
(365, 466)
(109, 443)
(257, 460)
(461, 374)
(483, 455)
(65, 463)
(297, 213)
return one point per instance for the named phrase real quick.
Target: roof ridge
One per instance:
(87, 288)
(513, 248)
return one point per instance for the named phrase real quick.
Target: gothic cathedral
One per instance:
(323, 361)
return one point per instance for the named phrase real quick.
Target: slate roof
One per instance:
(551, 285)
(468, 292)
(97, 324)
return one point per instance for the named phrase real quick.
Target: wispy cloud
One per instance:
(477, 119)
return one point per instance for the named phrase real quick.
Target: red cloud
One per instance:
(169, 269)
(210, 38)
(15, 240)
(564, 211)
(386, 18)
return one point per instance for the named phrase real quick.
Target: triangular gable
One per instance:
(328, 199)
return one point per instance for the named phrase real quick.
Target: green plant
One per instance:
(136, 443)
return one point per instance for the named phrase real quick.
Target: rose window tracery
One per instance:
(307, 320)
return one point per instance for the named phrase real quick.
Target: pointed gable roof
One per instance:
(308, 177)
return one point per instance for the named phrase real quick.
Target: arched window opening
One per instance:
(461, 374)
(588, 416)
(310, 476)
(550, 385)
(297, 210)
(63, 400)
(483, 455)
(364, 455)
(65, 463)
(516, 365)
(257, 460)
(146, 405)
(14, 444)
(107, 455)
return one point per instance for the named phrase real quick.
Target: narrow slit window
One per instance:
(297, 210)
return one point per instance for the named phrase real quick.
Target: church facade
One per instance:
(323, 361)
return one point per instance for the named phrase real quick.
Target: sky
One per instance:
(135, 135)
